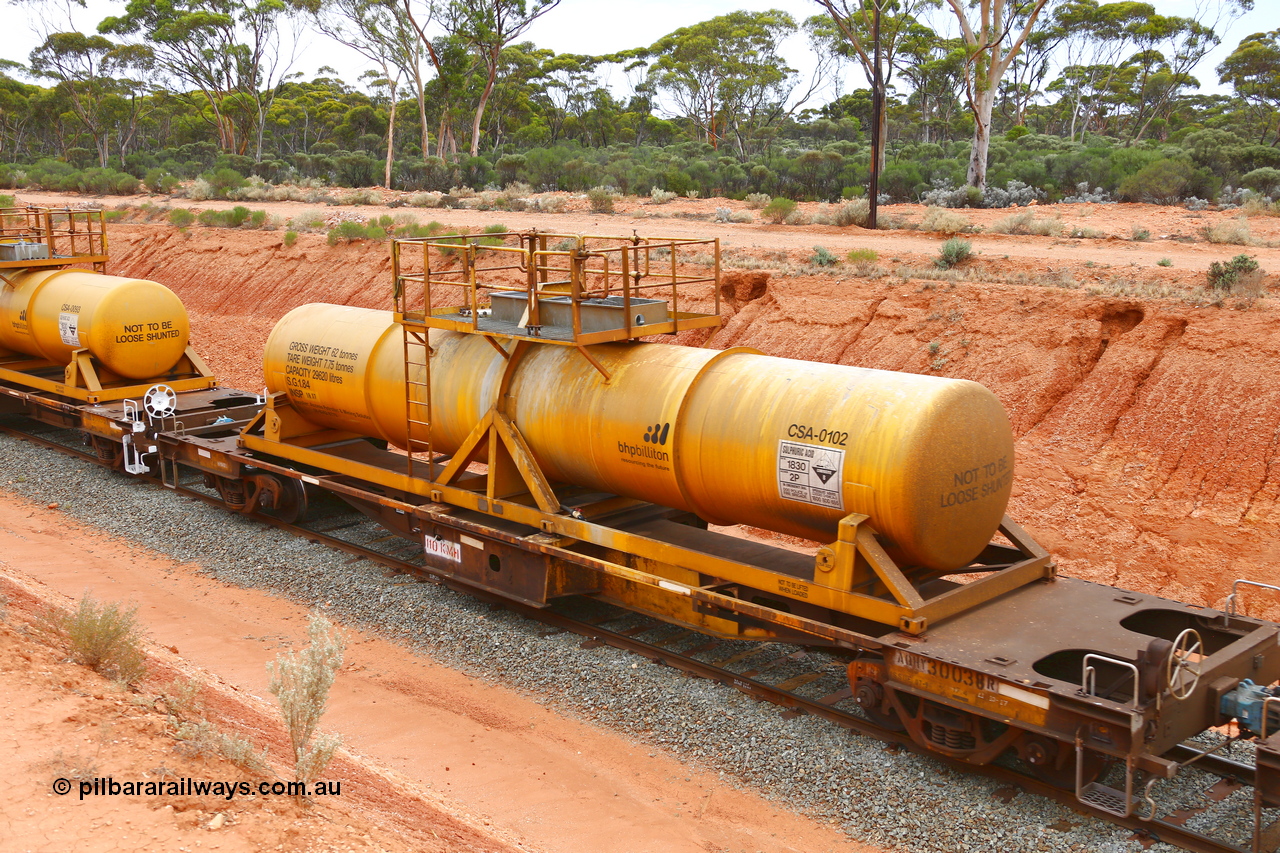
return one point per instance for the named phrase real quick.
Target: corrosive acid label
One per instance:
(451, 551)
(69, 328)
(811, 473)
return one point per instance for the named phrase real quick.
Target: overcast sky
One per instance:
(596, 27)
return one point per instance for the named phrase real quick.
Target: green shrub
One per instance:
(1140, 235)
(1165, 262)
(778, 209)
(233, 218)
(223, 181)
(290, 237)
(1227, 276)
(864, 261)
(953, 253)
(449, 242)
(180, 217)
(601, 199)
(1265, 180)
(349, 232)
(6, 201)
(414, 231)
(496, 228)
(105, 638)
(258, 218)
(823, 258)
(1165, 181)
(159, 180)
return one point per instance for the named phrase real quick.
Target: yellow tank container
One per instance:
(736, 436)
(135, 328)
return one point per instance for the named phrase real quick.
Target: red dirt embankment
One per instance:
(1147, 428)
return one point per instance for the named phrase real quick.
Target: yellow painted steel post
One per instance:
(626, 297)
(715, 290)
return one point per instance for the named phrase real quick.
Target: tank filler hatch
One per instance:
(531, 288)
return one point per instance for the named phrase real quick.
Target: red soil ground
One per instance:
(1147, 421)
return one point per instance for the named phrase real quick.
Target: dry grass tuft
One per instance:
(1026, 222)
(1234, 232)
(104, 637)
(943, 221)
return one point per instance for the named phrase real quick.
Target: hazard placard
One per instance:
(811, 473)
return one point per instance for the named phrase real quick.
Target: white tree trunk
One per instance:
(986, 100)
(484, 101)
(391, 139)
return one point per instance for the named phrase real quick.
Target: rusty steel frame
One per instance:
(630, 257)
(73, 236)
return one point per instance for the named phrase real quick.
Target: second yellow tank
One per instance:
(736, 436)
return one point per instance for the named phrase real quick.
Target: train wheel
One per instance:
(870, 697)
(281, 497)
(1054, 761)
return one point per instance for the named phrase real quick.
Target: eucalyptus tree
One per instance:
(229, 51)
(1097, 37)
(935, 69)
(848, 30)
(1168, 50)
(994, 31)
(486, 27)
(1253, 70)
(727, 75)
(89, 69)
(380, 31)
(17, 113)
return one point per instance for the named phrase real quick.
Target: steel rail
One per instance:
(1154, 829)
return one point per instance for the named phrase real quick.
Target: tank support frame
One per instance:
(87, 381)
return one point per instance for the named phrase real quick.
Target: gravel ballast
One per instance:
(895, 799)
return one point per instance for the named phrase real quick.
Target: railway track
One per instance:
(801, 689)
